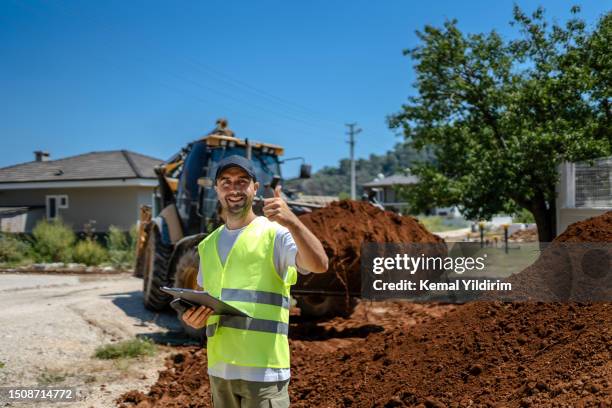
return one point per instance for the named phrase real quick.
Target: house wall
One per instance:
(568, 216)
(108, 206)
(571, 203)
(21, 222)
(390, 195)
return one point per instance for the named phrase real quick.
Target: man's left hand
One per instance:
(276, 209)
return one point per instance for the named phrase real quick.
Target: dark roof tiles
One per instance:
(113, 164)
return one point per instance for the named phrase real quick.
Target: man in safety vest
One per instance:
(251, 263)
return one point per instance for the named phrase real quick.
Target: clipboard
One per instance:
(201, 298)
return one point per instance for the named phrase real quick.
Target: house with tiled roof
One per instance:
(98, 189)
(384, 190)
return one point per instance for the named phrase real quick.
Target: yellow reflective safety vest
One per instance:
(248, 281)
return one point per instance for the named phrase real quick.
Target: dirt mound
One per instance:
(346, 223)
(481, 354)
(343, 226)
(524, 235)
(595, 229)
(574, 267)
(184, 381)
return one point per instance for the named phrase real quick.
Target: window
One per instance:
(593, 184)
(54, 203)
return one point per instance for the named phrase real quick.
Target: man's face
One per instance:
(235, 190)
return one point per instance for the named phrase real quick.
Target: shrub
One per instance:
(121, 248)
(126, 349)
(53, 241)
(116, 240)
(89, 252)
(133, 238)
(131, 256)
(12, 249)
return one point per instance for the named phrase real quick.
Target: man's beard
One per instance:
(238, 210)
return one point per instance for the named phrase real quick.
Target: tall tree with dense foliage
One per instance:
(501, 115)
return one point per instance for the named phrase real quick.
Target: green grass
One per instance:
(49, 377)
(500, 264)
(16, 264)
(436, 223)
(126, 349)
(1, 364)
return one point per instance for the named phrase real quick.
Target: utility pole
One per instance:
(352, 132)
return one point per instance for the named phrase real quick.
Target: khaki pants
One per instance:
(249, 394)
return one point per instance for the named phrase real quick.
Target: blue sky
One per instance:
(150, 76)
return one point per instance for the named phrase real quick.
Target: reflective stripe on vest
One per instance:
(255, 296)
(249, 323)
(248, 281)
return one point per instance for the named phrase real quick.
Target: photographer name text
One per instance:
(460, 284)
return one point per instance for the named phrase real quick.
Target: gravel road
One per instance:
(51, 325)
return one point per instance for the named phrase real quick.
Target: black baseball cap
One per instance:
(235, 161)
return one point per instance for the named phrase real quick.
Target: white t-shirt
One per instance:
(285, 251)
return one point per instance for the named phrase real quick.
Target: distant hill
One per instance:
(335, 181)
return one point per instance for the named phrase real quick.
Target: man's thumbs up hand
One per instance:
(276, 209)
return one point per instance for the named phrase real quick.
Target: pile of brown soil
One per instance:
(574, 267)
(184, 382)
(481, 354)
(343, 226)
(594, 229)
(347, 222)
(524, 235)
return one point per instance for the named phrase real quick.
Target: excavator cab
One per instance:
(196, 200)
(186, 180)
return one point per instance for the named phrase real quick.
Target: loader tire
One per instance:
(186, 269)
(155, 273)
(186, 277)
(325, 306)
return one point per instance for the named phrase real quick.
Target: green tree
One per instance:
(501, 115)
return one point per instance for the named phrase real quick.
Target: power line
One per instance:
(196, 96)
(313, 124)
(281, 101)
